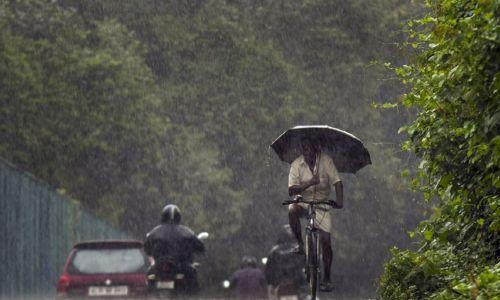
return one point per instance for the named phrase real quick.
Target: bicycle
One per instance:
(313, 249)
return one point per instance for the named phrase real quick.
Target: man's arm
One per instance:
(148, 245)
(337, 183)
(299, 188)
(339, 192)
(295, 184)
(198, 245)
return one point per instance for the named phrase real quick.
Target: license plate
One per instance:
(108, 290)
(165, 285)
(289, 297)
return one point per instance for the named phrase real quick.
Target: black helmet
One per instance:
(171, 214)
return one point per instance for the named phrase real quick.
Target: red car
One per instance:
(104, 269)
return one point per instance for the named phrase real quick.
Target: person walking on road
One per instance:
(249, 281)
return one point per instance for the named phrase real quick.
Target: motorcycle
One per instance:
(168, 279)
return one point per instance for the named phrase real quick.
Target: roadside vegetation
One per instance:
(454, 84)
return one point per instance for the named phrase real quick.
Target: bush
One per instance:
(455, 85)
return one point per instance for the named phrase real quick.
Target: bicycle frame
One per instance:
(310, 229)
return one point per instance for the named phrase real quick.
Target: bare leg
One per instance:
(326, 246)
(294, 214)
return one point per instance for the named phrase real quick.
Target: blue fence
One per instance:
(37, 229)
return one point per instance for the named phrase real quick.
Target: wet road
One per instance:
(321, 297)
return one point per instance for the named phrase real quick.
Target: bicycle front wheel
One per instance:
(312, 264)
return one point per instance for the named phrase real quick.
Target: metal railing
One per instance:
(38, 227)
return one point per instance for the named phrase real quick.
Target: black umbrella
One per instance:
(347, 151)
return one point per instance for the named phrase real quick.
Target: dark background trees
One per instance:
(130, 105)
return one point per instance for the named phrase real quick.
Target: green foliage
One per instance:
(454, 84)
(437, 274)
(419, 275)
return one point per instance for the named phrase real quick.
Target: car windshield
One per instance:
(93, 261)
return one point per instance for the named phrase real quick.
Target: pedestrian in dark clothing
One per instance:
(249, 281)
(284, 269)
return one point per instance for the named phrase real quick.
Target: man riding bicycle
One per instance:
(311, 175)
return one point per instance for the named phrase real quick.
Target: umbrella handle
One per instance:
(316, 164)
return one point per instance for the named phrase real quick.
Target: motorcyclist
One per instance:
(284, 269)
(172, 242)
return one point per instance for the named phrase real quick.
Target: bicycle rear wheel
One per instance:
(312, 264)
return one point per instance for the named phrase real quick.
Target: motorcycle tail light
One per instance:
(166, 268)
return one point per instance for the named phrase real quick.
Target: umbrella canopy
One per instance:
(347, 151)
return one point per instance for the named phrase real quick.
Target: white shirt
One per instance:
(328, 176)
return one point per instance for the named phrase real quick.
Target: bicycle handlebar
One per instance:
(300, 200)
